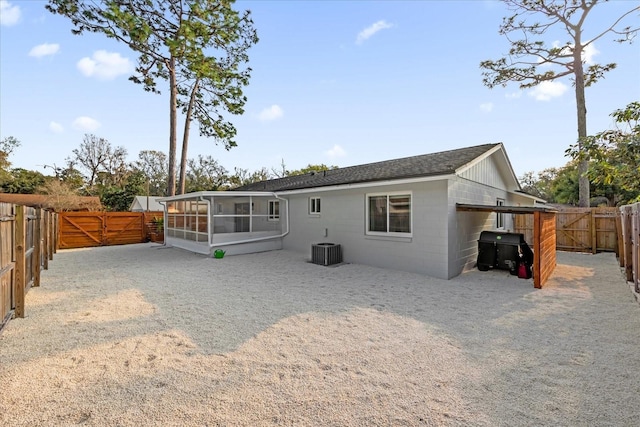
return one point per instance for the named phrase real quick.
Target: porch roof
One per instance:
(203, 194)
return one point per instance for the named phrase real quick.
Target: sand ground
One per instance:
(144, 335)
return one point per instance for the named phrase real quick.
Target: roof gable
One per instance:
(426, 165)
(146, 203)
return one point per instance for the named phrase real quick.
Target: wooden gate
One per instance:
(579, 229)
(26, 245)
(85, 229)
(7, 264)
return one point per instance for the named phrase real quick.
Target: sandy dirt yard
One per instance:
(144, 335)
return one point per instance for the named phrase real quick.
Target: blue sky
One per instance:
(334, 82)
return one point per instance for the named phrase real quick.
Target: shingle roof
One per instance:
(442, 163)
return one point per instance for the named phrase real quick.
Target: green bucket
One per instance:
(218, 253)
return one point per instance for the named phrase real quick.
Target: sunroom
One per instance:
(232, 221)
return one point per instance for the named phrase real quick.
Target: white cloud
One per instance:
(486, 107)
(269, 114)
(513, 95)
(56, 127)
(9, 15)
(44, 50)
(87, 124)
(587, 53)
(371, 30)
(336, 151)
(547, 90)
(104, 65)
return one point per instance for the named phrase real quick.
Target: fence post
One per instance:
(619, 238)
(594, 234)
(36, 263)
(636, 246)
(19, 250)
(56, 231)
(627, 230)
(45, 239)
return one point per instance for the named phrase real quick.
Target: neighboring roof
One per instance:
(58, 203)
(146, 203)
(435, 164)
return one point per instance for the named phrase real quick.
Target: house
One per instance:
(399, 214)
(146, 204)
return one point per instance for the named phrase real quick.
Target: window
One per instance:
(499, 215)
(389, 214)
(314, 205)
(274, 210)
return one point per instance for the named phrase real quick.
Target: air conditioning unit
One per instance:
(326, 253)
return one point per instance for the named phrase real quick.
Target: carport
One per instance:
(544, 235)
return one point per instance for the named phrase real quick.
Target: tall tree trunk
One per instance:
(185, 139)
(173, 107)
(581, 108)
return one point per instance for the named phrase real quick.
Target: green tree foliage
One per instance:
(532, 59)
(154, 166)
(242, 177)
(181, 41)
(103, 163)
(119, 197)
(565, 186)
(310, 168)
(7, 145)
(205, 174)
(71, 177)
(540, 185)
(21, 181)
(615, 156)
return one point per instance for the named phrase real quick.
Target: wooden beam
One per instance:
(19, 250)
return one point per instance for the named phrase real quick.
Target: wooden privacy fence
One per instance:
(629, 245)
(578, 229)
(27, 243)
(86, 229)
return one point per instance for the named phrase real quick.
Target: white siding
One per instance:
(343, 220)
(465, 227)
(486, 172)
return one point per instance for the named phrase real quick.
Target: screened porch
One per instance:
(236, 222)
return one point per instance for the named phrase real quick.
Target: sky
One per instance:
(335, 82)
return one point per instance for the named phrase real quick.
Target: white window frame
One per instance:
(388, 195)
(315, 206)
(499, 215)
(271, 212)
